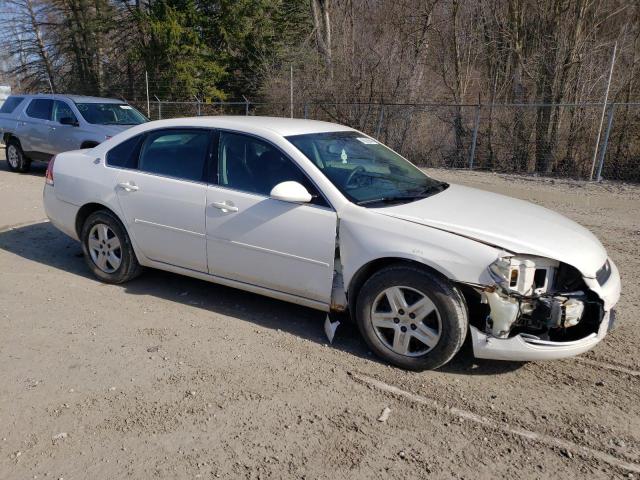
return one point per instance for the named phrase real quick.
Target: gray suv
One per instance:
(36, 127)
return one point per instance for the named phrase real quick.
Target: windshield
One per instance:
(364, 170)
(110, 114)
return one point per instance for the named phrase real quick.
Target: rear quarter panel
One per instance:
(81, 177)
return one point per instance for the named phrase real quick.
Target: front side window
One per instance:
(10, 104)
(62, 110)
(40, 108)
(179, 153)
(110, 114)
(251, 165)
(364, 170)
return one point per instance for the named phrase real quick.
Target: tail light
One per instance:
(48, 177)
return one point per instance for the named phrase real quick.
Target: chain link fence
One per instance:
(560, 140)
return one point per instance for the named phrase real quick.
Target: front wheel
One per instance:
(16, 158)
(107, 248)
(411, 317)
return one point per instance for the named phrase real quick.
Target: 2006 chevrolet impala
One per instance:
(322, 215)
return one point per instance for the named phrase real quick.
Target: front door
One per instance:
(164, 198)
(62, 138)
(258, 240)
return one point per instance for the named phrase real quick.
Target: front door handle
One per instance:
(226, 207)
(129, 187)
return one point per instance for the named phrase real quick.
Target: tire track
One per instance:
(553, 442)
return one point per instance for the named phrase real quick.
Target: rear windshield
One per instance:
(10, 104)
(110, 114)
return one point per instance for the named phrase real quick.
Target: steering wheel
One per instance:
(359, 169)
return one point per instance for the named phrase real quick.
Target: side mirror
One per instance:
(68, 121)
(290, 192)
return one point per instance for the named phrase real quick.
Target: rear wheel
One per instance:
(16, 158)
(411, 317)
(107, 248)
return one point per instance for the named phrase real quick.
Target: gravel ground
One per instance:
(170, 377)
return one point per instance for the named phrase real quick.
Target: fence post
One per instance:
(306, 111)
(197, 104)
(605, 142)
(474, 140)
(246, 105)
(380, 120)
(159, 107)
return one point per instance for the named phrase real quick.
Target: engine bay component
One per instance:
(504, 311)
(526, 299)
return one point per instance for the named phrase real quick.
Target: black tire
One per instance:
(128, 268)
(451, 316)
(19, 163)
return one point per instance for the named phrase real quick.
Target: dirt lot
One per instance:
(169, 377)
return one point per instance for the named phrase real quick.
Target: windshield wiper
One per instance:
(424, 193)
(433, 189)
(392, 199)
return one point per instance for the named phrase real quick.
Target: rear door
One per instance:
(35, 128)
(164, 197)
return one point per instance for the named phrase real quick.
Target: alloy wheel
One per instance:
(105, 248)
(12, 156)
(406, 321)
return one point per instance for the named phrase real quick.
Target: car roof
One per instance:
(73, 98)
(279, 125)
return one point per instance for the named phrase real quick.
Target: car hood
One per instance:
(508, 223)
(112, 130)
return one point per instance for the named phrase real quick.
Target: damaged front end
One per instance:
(536, 309)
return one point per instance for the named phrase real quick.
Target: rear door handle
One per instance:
(129, 187)
(224, 206)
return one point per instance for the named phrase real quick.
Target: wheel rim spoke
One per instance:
(94, 244)
(114, 261)
(114, 244)
(383, 320)
(401, 342)
(396, 299)
(103, 233)
(422, 308)
(102, 262)
(426, 335)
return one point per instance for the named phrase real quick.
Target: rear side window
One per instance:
(126, 154)
(10, 104)
(179, 153)
(40, 108)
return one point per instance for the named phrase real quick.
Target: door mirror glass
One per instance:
(68, 121)
(290, 192)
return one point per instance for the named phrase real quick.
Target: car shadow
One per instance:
(38, 169)
(44, 244)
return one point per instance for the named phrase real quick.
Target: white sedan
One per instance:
(325, 216)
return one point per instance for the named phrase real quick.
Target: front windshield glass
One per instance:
(364, 170)
(110, 114)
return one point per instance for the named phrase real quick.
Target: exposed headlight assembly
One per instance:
(526, 296)
(524, 274)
